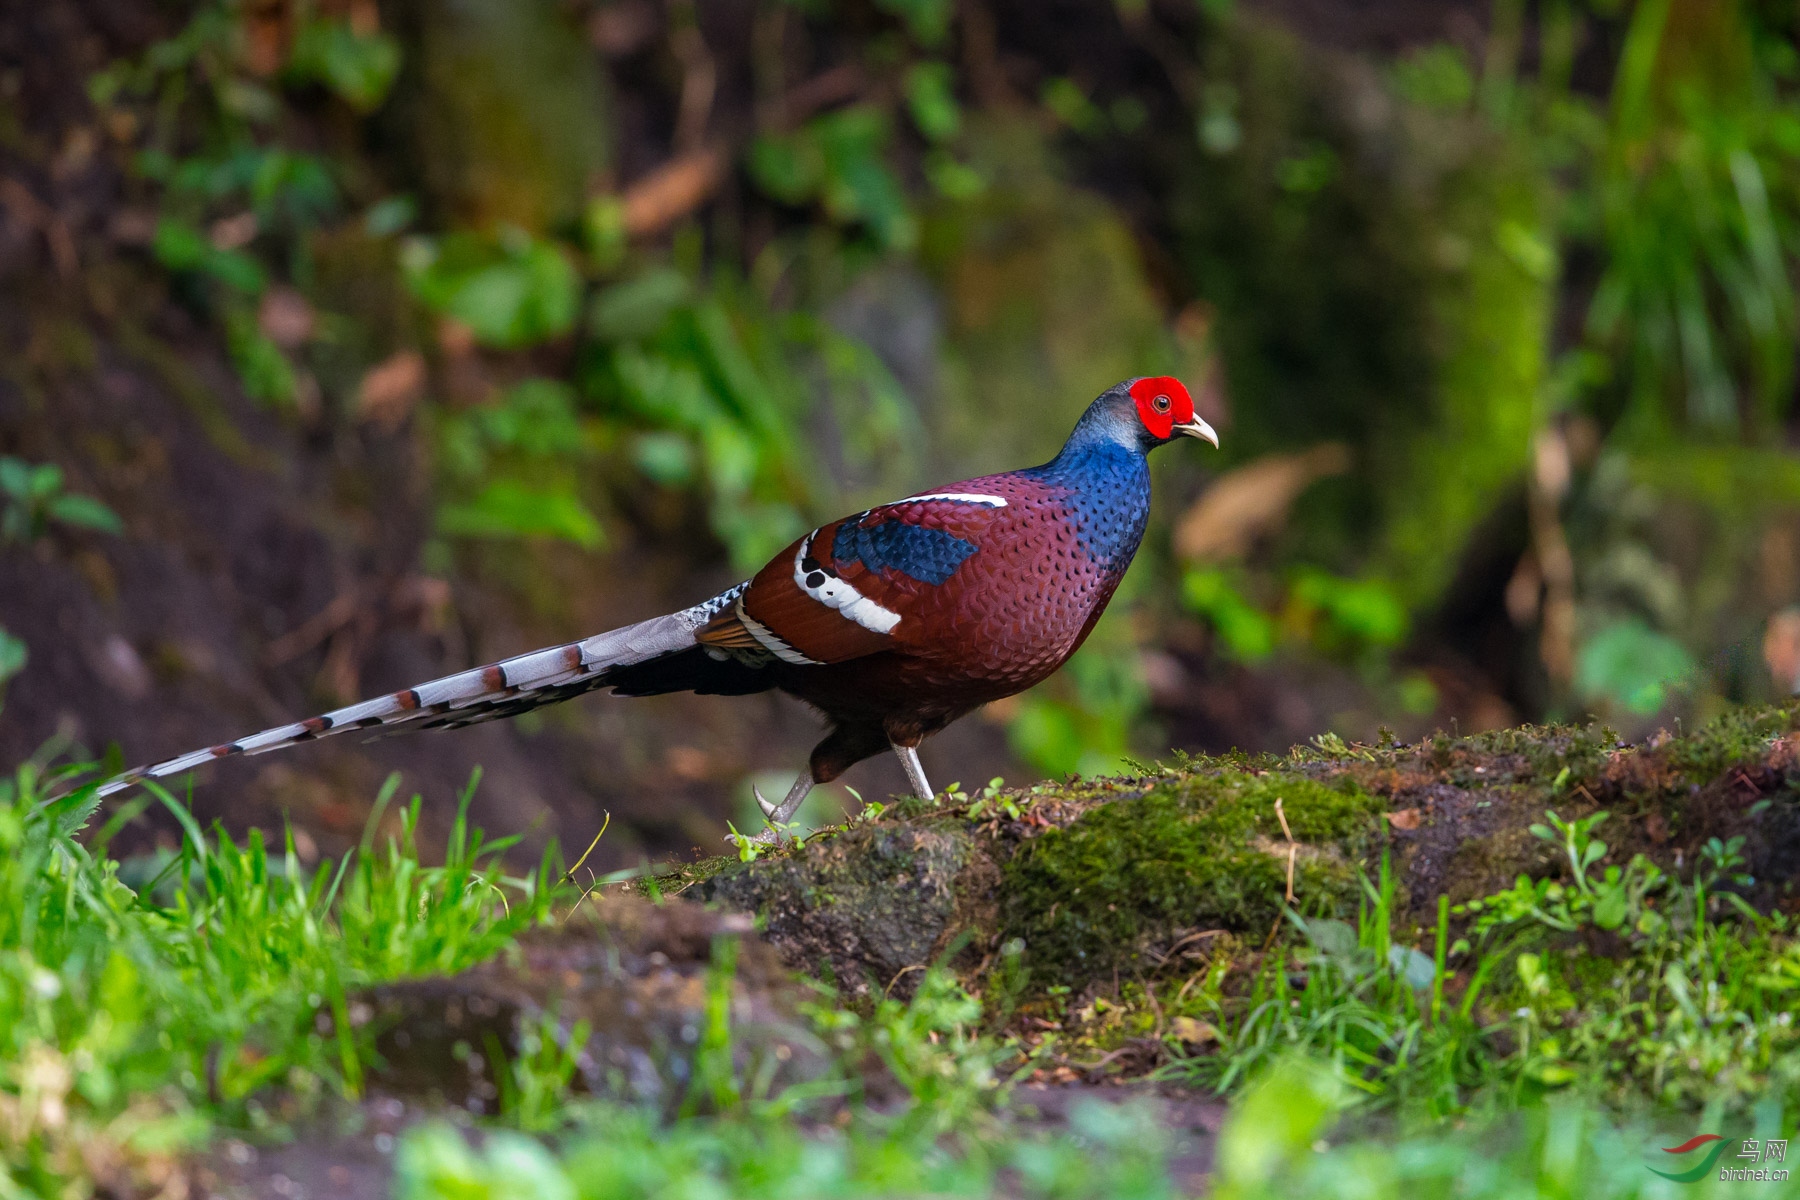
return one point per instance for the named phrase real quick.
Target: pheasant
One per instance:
(892, 622)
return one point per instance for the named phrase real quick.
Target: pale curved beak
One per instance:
(1199, 429)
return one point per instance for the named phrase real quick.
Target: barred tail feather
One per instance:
(501, 689)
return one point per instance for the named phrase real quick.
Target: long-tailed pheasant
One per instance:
(892, 623)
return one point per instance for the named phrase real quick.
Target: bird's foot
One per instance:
(777, 816)
(771, 832)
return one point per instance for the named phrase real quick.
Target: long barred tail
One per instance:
(653, 656)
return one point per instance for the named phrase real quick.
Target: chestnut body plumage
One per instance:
(892, 622)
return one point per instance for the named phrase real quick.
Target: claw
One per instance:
(769, 810)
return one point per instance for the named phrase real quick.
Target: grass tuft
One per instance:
(131, 1019)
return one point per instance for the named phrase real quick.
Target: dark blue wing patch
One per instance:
(927, 555)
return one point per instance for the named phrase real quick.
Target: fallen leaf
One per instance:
(1251, 502)
(234, 232)
(688, 762)
(1781, 649)
(132, 226)
(1406, 818)
(390, 388)
(286, 318)
(672, 191)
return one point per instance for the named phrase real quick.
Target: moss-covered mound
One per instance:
(1199, 851)
(1101, 877)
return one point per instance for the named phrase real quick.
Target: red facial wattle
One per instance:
(1162, 404)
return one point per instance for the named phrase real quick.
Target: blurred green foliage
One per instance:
(1245, 632)
(512, 467)
(512, 290)
(1693, 203)
(1632, 665)
(838, 161)
(1512, 251)
(358, 66)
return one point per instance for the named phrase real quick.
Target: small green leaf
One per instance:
(536, 417)
(1609, 910)
(667, 458)
(1355, 611)
(358, 67)
(951, 179)
(262, 366)
(789, 167)
(388, 217)
(637, 307)
(1551, 1074)
(512, 291)
(15, 477)
(928, 20)
(86, 512)
(1436, 77)
(1245, 632)
(47, 480)
(178, 245)
(931, 99)
(13, 656)
(1631, 665)
(236, 270)
(1070, 105)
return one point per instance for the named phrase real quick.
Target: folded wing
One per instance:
(857, 586)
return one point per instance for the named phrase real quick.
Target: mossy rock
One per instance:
(1199, 852)
(1104, 878)
(867, 907)
(640, 977)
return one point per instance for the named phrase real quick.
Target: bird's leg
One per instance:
(915, 772)
(781, 814)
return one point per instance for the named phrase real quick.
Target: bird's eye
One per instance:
(1161, 404)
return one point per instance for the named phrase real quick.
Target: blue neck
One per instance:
(1105, 478)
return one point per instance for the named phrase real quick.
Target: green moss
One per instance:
(1736, 737)
(1204, 852)
(1098, 875)
(1546, 750)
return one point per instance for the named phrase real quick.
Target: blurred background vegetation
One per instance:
(351, 341)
